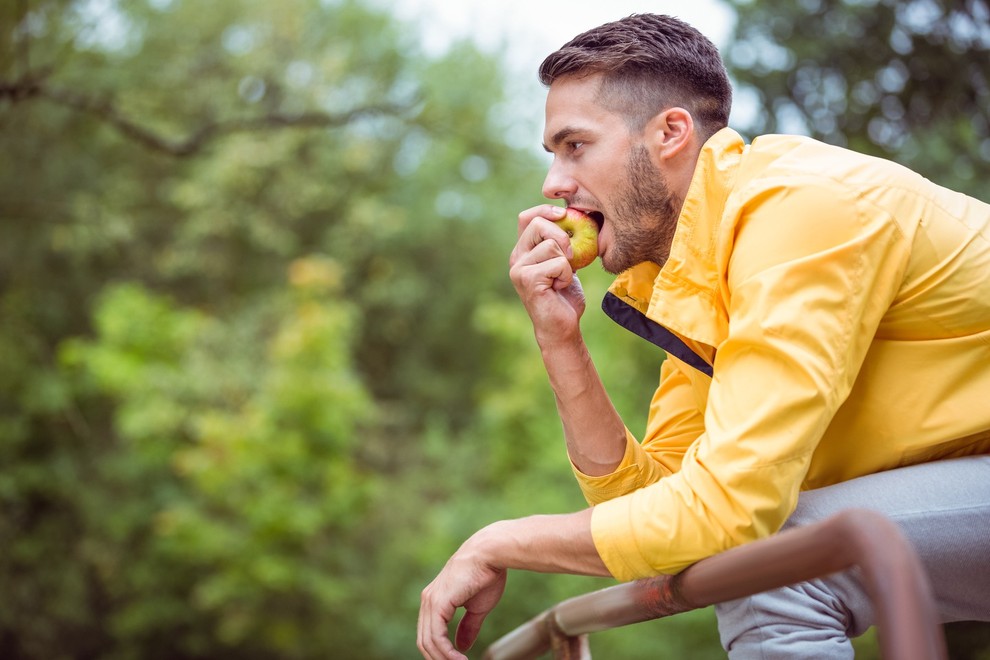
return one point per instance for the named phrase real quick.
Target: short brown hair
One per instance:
(649, 62)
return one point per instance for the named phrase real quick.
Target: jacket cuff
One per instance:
(612, 532)
(627, 477)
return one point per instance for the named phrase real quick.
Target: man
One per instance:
(826, 319)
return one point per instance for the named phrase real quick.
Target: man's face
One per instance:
(600, 167)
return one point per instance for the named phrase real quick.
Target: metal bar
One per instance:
(568, 647)
(892, 575)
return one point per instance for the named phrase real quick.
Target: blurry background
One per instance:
(261, 366)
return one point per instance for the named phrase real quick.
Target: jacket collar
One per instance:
(685, 296)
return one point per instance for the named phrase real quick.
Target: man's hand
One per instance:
(545, 282)
(474, 578)
(468, 581)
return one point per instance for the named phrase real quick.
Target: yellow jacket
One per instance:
(825, 315)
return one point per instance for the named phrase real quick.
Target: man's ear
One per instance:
(670, 132)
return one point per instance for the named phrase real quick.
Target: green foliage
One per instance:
(246, 446)
(263, 367)
(908, 81)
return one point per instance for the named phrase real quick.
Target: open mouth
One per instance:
(598, 217)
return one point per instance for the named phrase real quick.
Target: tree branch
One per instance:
(105, 111)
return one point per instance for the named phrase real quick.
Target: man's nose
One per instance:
(558, 184)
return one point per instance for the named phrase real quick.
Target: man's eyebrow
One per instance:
(559, 137)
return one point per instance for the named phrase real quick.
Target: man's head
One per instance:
(648, 63)
(629, 105)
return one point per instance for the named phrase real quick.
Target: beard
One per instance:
(644, 218)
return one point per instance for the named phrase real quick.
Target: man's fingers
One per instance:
(546, 211)
(468, 629)
(477, 608)
(545, 250)
(538, 232)
(547, 269)
(463, 582)
(432, 630)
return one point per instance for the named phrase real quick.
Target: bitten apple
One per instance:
(584, 237)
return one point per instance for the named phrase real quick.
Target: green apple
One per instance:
(584, 237)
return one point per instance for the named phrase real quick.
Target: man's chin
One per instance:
(611, 267)
(616, 266)
(613, 262)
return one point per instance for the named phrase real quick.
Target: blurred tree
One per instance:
(245, 440)
(263, 368)
(906, 80)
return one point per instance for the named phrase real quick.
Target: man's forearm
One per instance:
(593, 430)
(560, 543)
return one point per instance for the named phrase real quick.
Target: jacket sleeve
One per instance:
(809, 273)
(675, 421)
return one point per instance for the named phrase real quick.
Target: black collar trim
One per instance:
(638, 323)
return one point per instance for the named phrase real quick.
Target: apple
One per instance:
(583, 232)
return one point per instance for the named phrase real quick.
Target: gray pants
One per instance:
(944, 510)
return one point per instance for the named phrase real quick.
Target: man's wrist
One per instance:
(567, 352)
(556, 543)
(489, 545)
(556, 339)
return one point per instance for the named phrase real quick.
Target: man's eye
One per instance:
(574, 146)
